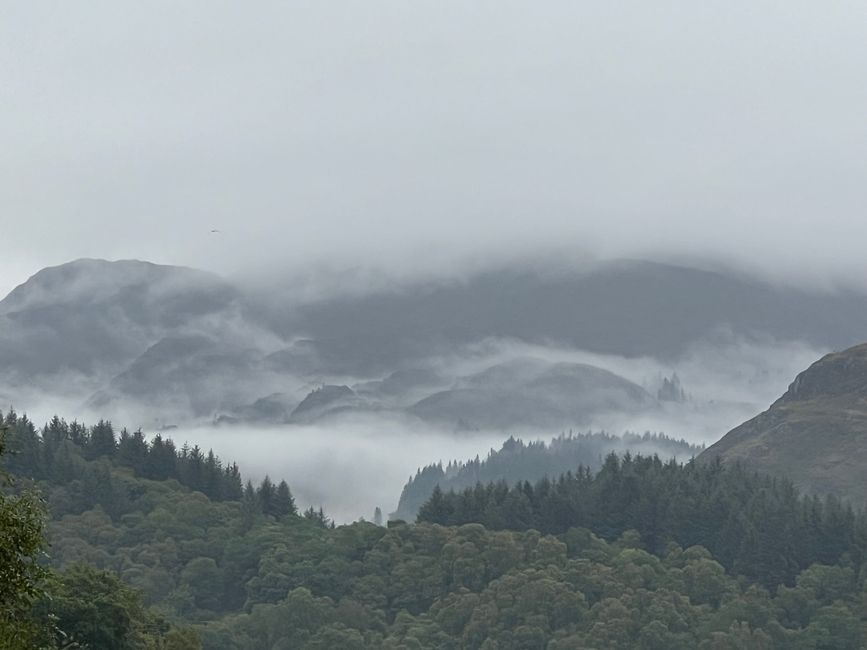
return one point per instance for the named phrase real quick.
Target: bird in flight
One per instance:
(215, 230)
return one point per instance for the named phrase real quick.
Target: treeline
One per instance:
(79, 607)
(51, 452)
(530, 461)
(59, 453)
(755, 526)
(241, 578)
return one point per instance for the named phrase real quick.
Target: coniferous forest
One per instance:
(531, 461)
(150, 546)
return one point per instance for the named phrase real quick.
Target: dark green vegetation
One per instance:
(79, 607)
(814, 433)
(520, 461)
(755, 526)
(21, 524)
(249, 573)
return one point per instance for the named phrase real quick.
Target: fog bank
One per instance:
(349, 469)
(353, 464)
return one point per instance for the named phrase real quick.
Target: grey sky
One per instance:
(428, 133)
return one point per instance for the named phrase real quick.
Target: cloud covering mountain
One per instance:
(538, 350)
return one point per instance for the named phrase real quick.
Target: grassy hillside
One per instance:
(816, 433)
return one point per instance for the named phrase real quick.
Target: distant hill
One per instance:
(528, 391)
(93, 317)
(131, 336)
(181, 374)
(520, 461)
(815, 434)
(324, 400)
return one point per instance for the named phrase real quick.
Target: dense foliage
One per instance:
(58, 453)
(520, 461)
(754, 525)
(87, 608)
(246, 577)
(79, 607)
(21, 545)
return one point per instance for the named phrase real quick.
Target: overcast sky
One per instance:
(412, 134)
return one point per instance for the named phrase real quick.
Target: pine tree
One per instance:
(161, 460)
(284, 502)
(132, 450)
(266, 494)
(78, 433)
(102, 442)
(250, 507)
(233, 488)
(435, 510)
(213, 477)
(27, 458)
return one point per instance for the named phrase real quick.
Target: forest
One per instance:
(531, 461)
(151, 546)
(755, 526)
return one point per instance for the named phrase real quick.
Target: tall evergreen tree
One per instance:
(267, 494)
(284, 502)
(102, 441)
(132, 450)
(162, 459)
(233, 487)
(250, 507)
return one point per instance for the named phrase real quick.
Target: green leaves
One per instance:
(247, 574)
(22, 522)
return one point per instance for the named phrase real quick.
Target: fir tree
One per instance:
(284, 502)
(102, 442)
(266, 494)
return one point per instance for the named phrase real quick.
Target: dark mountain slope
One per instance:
(816, 433)
(627, 307)
(528, 391)
(183, 375)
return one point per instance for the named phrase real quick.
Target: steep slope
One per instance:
(815, 434)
